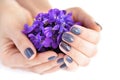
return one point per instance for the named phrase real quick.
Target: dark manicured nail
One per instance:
(63, 66)
(68, 37)
(69, 59)
(99, 25)
(52, 58)
(75, 30)
(61, 60)
(28, 52)
(65, 46)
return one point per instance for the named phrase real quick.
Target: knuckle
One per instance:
(97, 38)
(93, 37)
(52, 63)
(72, 69)
(93, 52)
(4, 59)
(85, 62)
(26, 64)
(77, 8)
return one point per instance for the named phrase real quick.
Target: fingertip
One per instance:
(29, 53)
(33, 56)
(23, 44)
(99, 26)
(93, 25)
(71, 65)
(85, 19)
(47, 56)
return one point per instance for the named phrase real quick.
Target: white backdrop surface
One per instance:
(106, 64)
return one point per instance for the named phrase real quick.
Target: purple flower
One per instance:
(46, 31)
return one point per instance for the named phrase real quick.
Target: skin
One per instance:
(13, 43)
(35, 6)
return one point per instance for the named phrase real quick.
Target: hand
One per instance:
(35, 6)
(80, 44)
(84, 45)
(16, 51)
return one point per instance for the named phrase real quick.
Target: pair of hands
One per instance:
(13, 43)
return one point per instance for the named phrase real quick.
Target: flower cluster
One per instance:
(46, 31)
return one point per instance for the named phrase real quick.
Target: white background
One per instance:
(106, 64)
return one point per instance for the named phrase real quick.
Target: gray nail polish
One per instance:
(28, 52)
(75, 30)
(61, 60)
(69, 59)
(52, 58)
(99, 25)
(63, 66)
(68, 37)
(65, 46)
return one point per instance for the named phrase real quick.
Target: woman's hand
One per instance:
(16, 51)
(80, 44)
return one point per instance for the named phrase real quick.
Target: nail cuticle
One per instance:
(65, 46)
(75, 30)
(68, 37)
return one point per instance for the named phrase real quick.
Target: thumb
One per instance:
(80, 15)
(24, 45)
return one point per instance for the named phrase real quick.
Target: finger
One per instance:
(76, 55)
(70, 63)
(17, 60)
(46, 66)
(23, 44)
(14, 58)
(80, 44)
(81, 16)
(56, 68)
(43, 57)
(85, 33)
(21, 41)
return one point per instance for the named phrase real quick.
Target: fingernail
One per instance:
(75, 30)
(63, 66)
(69, 59)
(52, 58)
(65, 46)
(28, 52)
(61, 60)
(67, 37)
(99, 25)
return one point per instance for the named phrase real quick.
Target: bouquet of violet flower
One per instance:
(46, 31)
